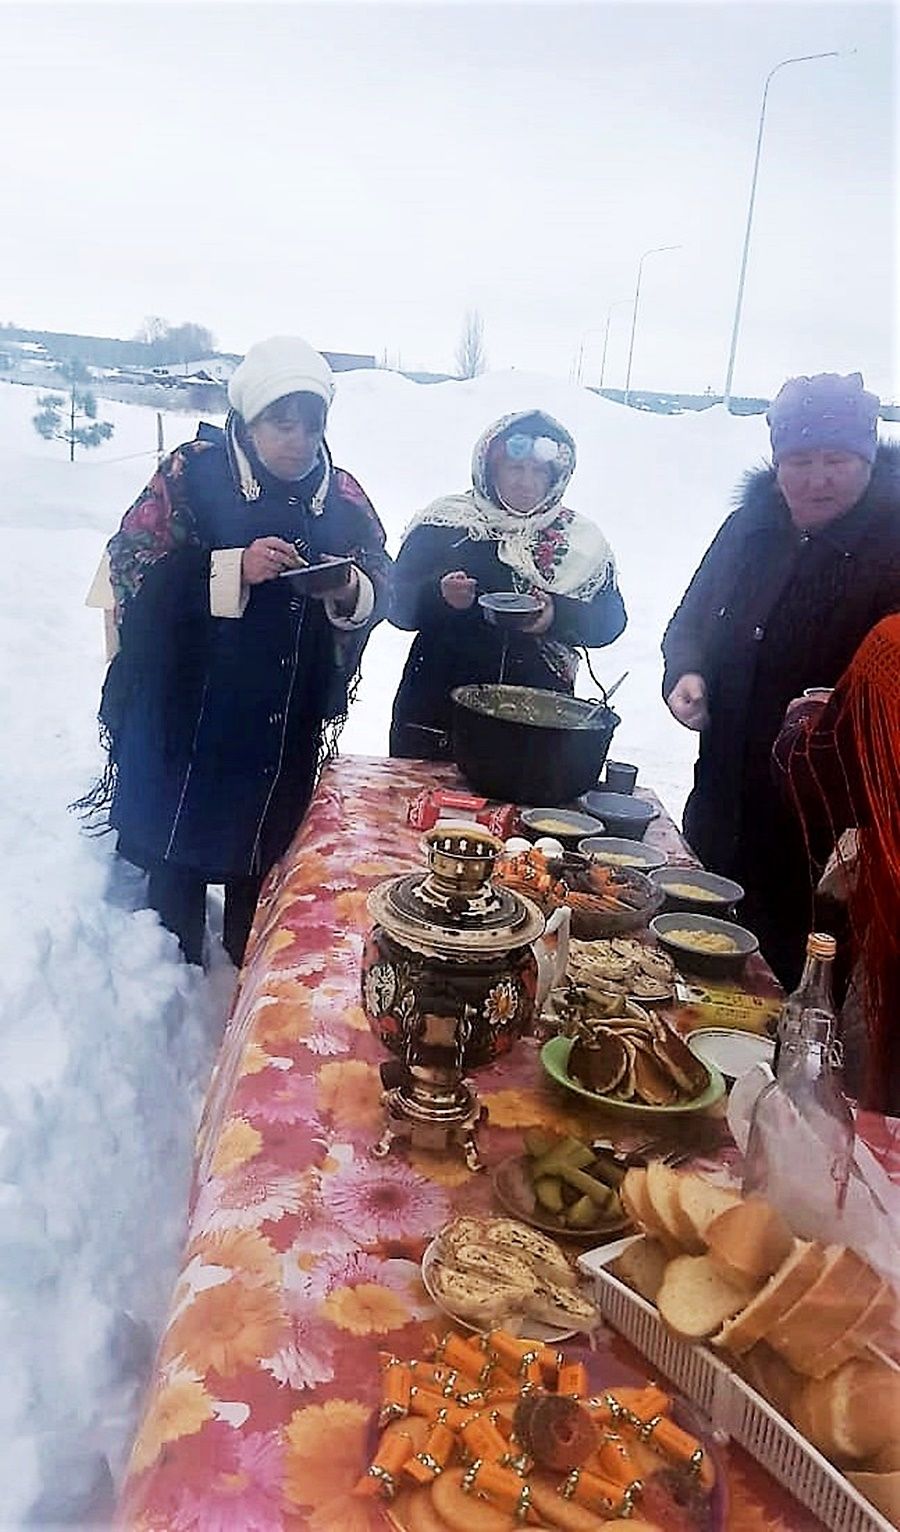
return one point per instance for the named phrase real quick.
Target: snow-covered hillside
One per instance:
(106, 1040)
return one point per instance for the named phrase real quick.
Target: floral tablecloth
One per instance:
(302, 1254)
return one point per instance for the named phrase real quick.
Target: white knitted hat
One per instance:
(272, 368)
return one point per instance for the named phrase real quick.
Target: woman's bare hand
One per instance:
(542, 620)
(458, 590)
(266, 559)
(687, 701)
(344, 594)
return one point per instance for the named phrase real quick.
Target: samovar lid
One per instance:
(453, 909)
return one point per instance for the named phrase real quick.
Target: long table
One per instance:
(302, 1256)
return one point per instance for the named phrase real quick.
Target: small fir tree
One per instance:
(72, 419)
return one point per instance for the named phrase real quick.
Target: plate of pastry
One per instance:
(488, 1273)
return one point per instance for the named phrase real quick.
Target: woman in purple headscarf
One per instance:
(807, 563)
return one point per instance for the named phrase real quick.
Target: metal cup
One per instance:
(620, 776)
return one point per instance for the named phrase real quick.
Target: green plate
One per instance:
(555, 1059)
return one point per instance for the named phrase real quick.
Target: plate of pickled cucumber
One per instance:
(563, 1186)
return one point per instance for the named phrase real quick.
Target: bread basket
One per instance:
(730, 1404)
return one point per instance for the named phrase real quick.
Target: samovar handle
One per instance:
(464, 1032)
(412, 1026)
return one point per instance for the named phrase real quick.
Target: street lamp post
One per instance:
(578, 365)
(615, 305)
(804, 58)
(657, 250)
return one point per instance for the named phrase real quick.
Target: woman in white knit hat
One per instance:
(230, 682)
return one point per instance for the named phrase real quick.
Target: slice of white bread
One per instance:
(872, 1328)
(883, 1490)
(783, 1288)
(771, 1376)
(887, 1458)
(642, 1266)
(836, 1300)
(749, 1239)
(636, 1202)
(853, 1413)
(702, 1202)
(662, 1187)
(695, 1299)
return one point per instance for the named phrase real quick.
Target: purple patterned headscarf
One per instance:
(826, 411)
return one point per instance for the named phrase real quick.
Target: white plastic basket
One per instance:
(730, 1404)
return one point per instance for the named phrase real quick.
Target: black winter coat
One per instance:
(769, 612)
(458, 648)
(216, 722)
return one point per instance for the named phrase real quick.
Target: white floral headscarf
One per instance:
(552, 548)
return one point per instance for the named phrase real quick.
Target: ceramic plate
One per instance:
(512, 1186)
(730, 1050)
(555, 1059)
(535, 1331)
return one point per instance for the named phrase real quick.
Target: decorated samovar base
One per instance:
(436, 1115)
(448, 983)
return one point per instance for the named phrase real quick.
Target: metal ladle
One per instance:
(589, 717)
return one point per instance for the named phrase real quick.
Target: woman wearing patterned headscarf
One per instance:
(509, 532)
(230, 683)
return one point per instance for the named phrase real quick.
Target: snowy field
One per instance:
(106, 1040)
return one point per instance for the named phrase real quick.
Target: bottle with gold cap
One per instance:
(813, 991)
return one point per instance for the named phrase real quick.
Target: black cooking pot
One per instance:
(525, 745)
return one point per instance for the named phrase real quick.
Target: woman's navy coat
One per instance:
(217, 723)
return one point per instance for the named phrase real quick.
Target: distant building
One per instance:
(218, 368)
(30, 349)
(209, 369)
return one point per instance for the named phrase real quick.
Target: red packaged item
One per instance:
(441, 803)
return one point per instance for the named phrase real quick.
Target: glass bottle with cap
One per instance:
(814, 990)
(802, 1122)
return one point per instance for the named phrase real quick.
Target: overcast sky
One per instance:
(363, 174)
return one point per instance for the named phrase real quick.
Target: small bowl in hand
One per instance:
(325, 576)
(508, 608)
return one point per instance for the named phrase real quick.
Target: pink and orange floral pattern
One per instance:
(303, 1253)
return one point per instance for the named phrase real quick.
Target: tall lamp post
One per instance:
(804, 58)
(617, 304)
(657, 250)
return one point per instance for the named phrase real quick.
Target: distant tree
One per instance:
(470, 357)
(152, 330)
(168, 343)
(192, 341)
(72, 419)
